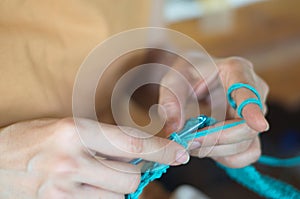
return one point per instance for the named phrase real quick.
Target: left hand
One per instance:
(234, 147)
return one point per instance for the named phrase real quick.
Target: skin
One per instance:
(41, 153)
(235, 147)
(48, 160)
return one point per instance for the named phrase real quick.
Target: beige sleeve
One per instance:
(42, 44)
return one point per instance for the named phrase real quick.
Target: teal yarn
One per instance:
(214, 130)
(248, 176)
(277, 162)
(245, 103)
(153, 171)
(263, 185)
(236, 86)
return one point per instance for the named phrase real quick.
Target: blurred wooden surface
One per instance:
(267, 33)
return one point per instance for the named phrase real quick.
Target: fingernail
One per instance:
(182, 157)
(194, 145)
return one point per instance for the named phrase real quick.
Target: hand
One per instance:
(234, 147)
(46, 159)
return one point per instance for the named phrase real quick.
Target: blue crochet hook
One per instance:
(190, 126)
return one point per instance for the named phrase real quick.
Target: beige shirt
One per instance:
(43, 43)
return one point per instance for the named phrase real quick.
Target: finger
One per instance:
(184, 82)
(243, 159)
(87, 191)
(238, 71)
(181, 83)
(222, 150)
(57, 186)
(123, 177)
(252, 113)
(235, 134)
(130, 143)
(173, 95)
(255, 118)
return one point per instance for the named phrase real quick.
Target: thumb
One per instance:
(174, 91)
(172, 101)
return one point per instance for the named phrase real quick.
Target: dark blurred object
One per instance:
(284, 131)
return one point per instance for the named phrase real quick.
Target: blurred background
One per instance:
(268, 34)
(265, 32)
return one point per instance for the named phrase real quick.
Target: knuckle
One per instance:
(136, 145)
(169, 79)
(235, 61)
(243, 146)
(165, 154)
(232, 162)
(169, 102)
(135, 141)
(255, 154)
(55, 193)
(205, 151)
(223, 138)
(65, 134)
(265, 108)
(66, 124)
(134, 183)
(239, 161)
(51, 190)
(249, 133)
(66, 166)
(266, 88)
(119, 196)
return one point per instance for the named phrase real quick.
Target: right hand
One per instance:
(46, 159)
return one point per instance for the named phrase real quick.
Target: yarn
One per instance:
(248, 176)
(263, 185)
(277, 162)
(246, 102)
(236, 86)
